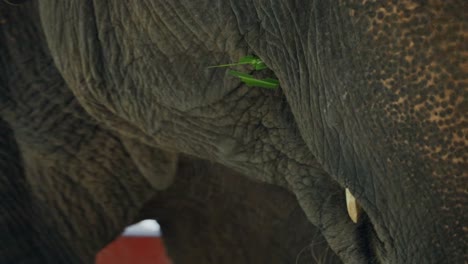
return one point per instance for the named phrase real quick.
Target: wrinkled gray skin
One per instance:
(106, 104)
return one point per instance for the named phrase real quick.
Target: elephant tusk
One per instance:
(354, 208)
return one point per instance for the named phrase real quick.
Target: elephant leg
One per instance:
(81, 177)
(87, 196)
(20, 221)
(83, 190)
(84, 186)
(212, 214)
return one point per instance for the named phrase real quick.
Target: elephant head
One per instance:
(372, 100)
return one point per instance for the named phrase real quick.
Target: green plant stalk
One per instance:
(229, 65)
(257, 63)
(252, 81)
(248, 79)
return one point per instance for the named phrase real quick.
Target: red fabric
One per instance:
(134, 250)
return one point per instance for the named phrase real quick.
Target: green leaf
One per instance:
(272, 81)
(242, 61)
(240, 74)
(252, 81)
(228, 65)
(257, 63)
(260, 66)
(248, 59)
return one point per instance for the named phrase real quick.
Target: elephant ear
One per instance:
(157, 166)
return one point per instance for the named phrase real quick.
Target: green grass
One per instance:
(249, 80)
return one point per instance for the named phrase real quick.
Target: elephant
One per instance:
(109, 113)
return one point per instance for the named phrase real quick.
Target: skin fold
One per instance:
(108, 107)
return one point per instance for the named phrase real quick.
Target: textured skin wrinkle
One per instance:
(77, 175)
(371, 98)
(345, 51)
(93, 153)
(19, 235)
(229, 143)
(422, 73)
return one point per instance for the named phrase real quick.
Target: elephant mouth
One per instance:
(358, 241)
(351, 242)
(372, 246)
